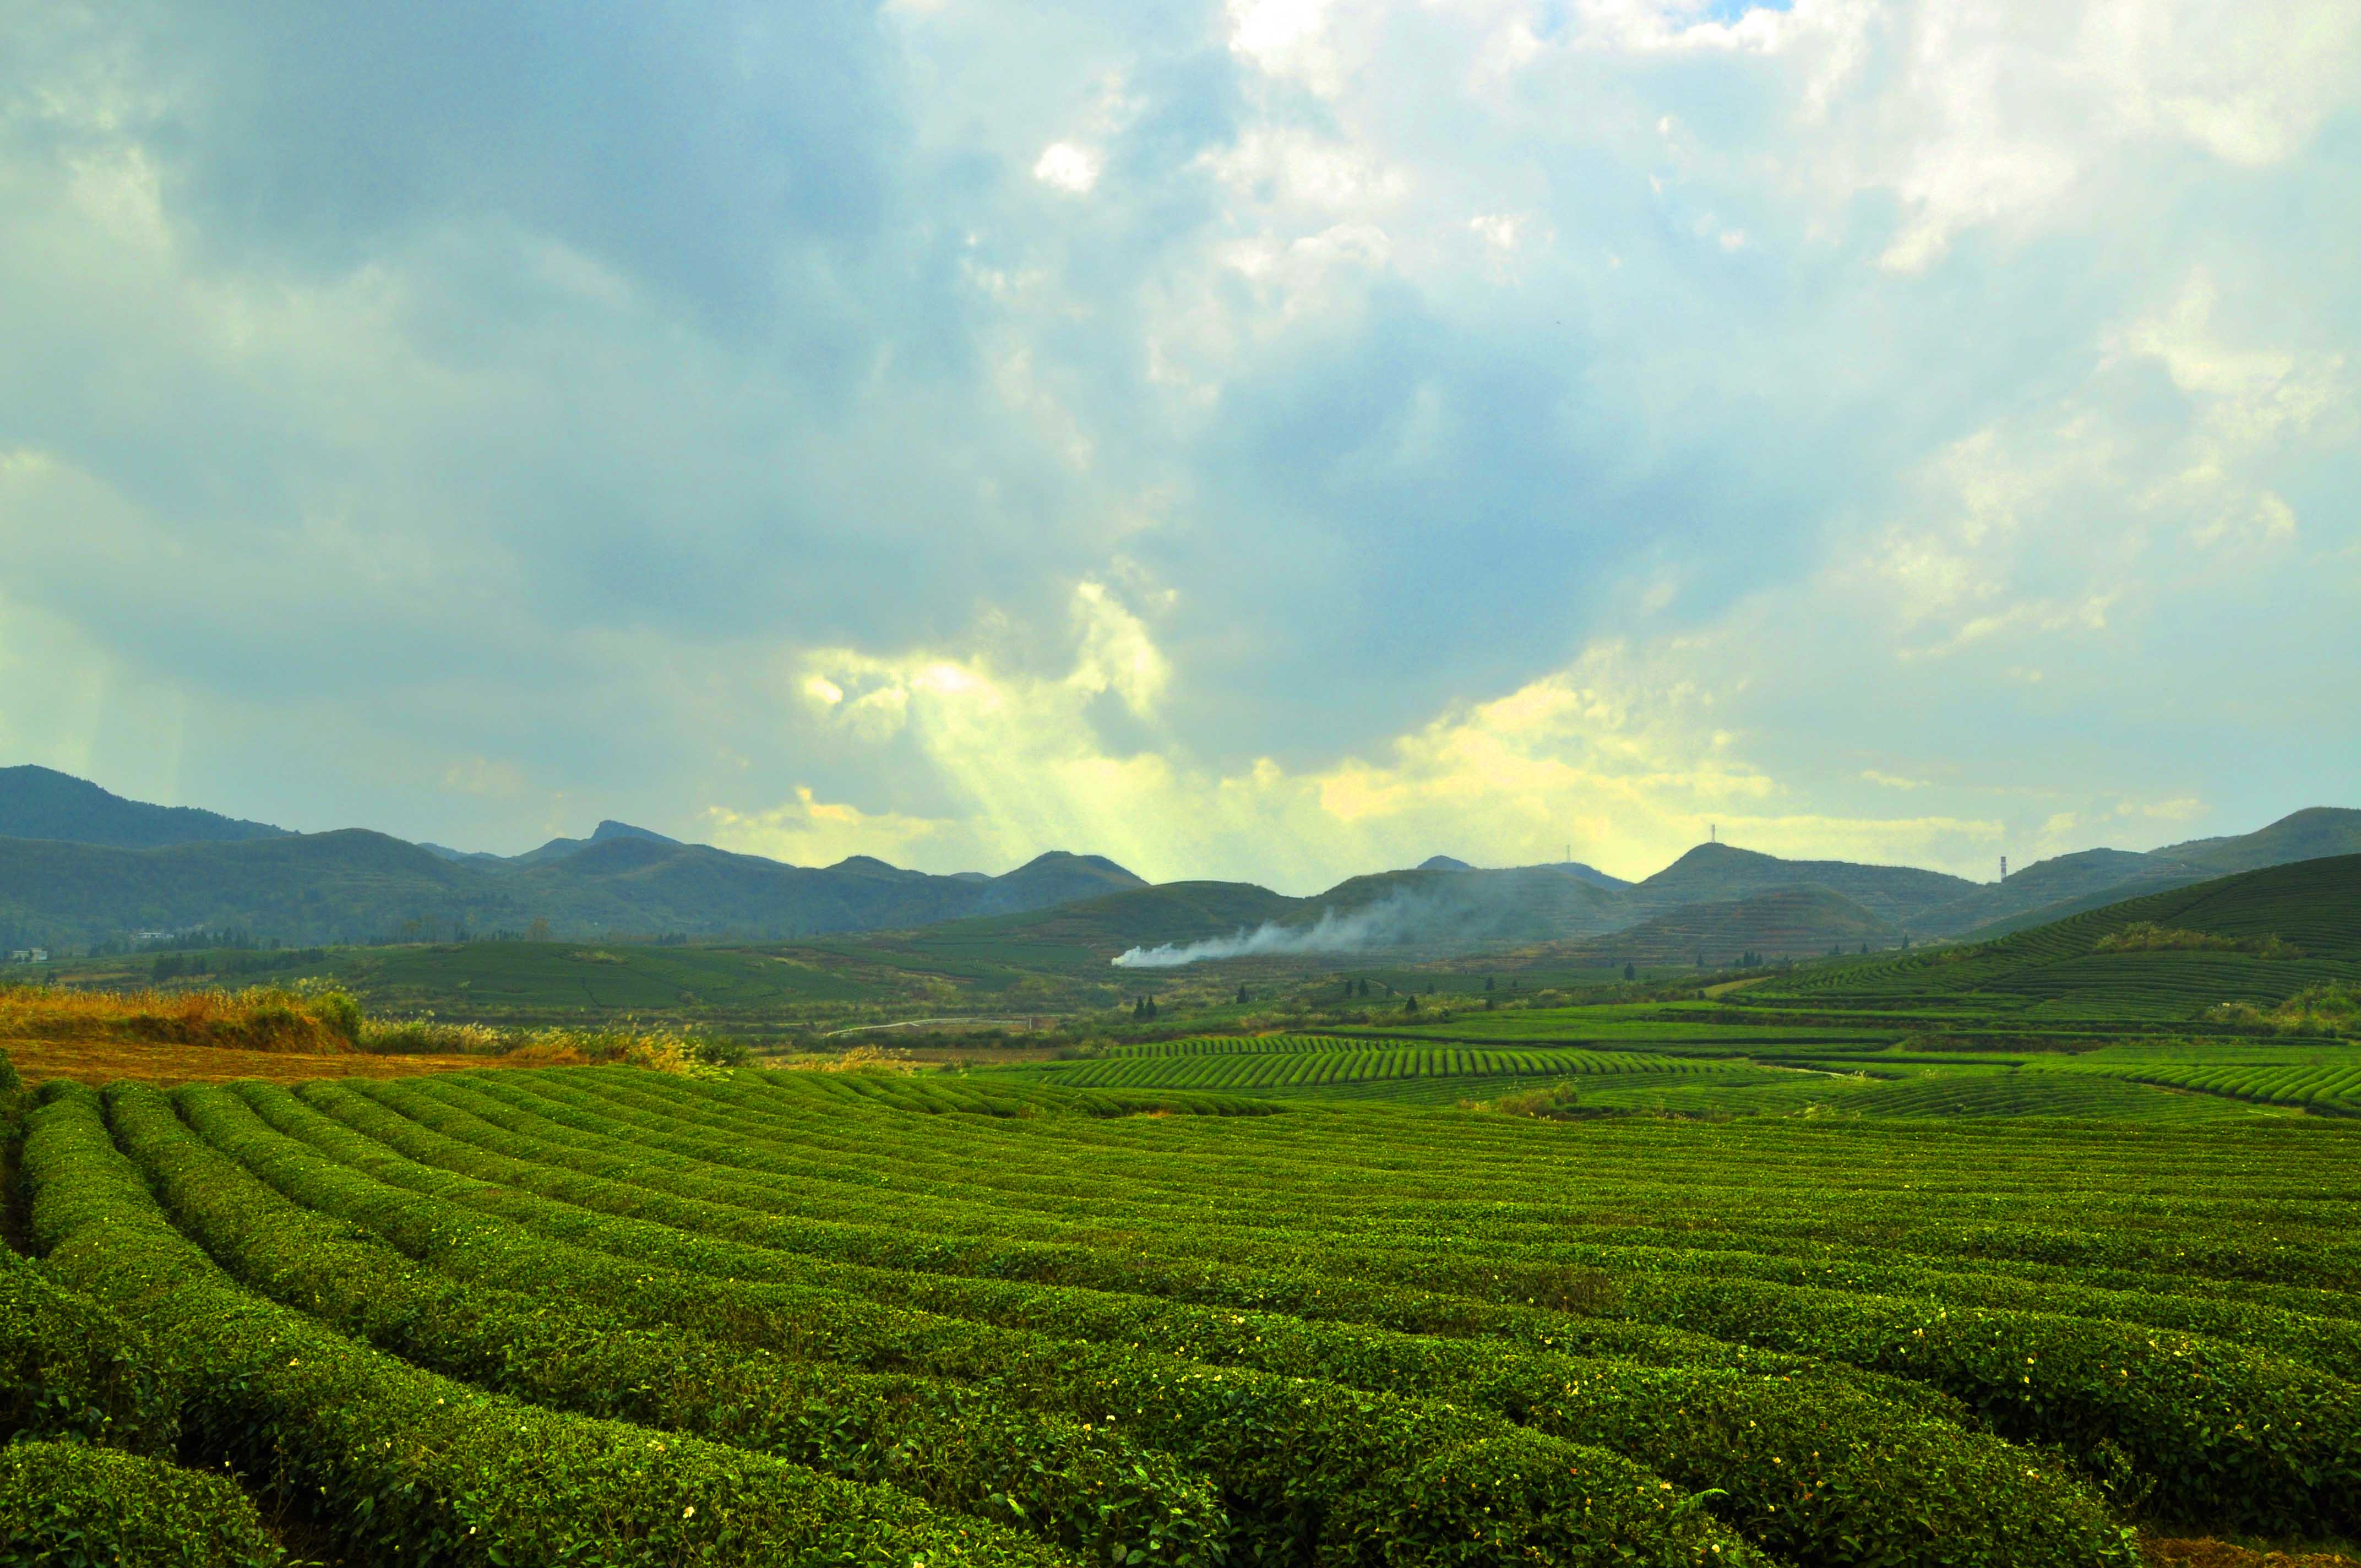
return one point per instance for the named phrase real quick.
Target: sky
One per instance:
(1262, 439)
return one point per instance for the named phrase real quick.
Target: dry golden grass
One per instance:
(210, 1036)
(167, 1063)
(260, 1020)
(860, 1059)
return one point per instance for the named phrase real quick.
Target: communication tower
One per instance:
(2003, 868)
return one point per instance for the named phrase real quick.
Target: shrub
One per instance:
(399, 1463)
(66, 1505)
(1058, 1479)
(71, 1369)
(2147, 937)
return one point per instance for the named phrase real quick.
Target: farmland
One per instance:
(875, 1316)
(1871, 1262)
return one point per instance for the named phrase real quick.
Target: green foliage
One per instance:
(10, 1082)
(340, 1012)
(67, 1505)
(408, 1466)
(71, 1369)
(1767, 1454)
(948, 1445)
(1284, 1451)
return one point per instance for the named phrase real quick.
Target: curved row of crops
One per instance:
(2330, 1087)
(500, 1317)
(1303, 1062)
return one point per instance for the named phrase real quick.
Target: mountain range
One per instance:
(79, 866)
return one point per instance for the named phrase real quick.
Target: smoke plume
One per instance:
(1397, 920)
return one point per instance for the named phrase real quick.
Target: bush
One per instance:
(397, 1462)
(1285, 1450)
(70, 1368)
(340, 1012)
(10, 1082)
(65, 1505)
(1091, 1491)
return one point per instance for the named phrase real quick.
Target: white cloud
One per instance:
(1469, 427)
(1071, 167)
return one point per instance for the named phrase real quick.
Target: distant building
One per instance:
(29, 956)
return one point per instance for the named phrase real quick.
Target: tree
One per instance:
(1488, 983)
(1630, 972)
(1151, 1007)
(539, 930)
(1242, 996)
(1409, 1003)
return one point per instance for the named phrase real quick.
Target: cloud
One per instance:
(1270, 438)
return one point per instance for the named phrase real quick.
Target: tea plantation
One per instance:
(604, 1314)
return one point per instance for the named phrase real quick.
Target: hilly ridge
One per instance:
(81, 866)
(41, 803)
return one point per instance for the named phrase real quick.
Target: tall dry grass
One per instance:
(318, 1021)
(662, 1048)
(263, 1019)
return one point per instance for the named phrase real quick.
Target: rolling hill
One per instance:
(2258, 937)
(79, 866)
(2067, 884)
(1718, 874)
(356, 886)
(40, 803)
(1786, 922)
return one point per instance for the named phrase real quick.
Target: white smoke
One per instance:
(1388, 921)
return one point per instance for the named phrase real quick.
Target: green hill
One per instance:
(2259, 937)
(1786, 922)
(40, 803)
(2308, 835)
(1718, 874)
(359, 886)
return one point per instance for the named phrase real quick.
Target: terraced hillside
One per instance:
(784, 1317)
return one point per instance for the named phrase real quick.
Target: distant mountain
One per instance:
(1098, 928)
(1786, 922)
(558, 848)
(2049, 889)
(359, 886)
(2312, 834)
(2054, 889)
(1056, 878)
(1718, 874)
(40, 803)
(1581, 872)
(2061, 970)
(78, 865)
(1574, 869)
(1457, 911)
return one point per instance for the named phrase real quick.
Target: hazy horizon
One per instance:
(1261, 440)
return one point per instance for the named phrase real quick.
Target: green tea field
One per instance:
(545, 1315)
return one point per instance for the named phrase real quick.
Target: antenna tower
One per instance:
(2003, 868)
(1713, 832)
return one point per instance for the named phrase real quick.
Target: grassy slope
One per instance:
(2056, 971)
